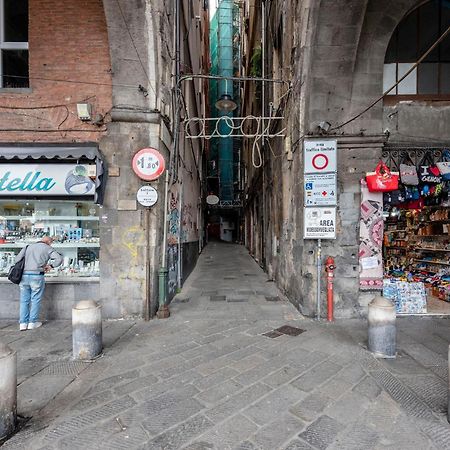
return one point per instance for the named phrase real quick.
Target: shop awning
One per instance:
(63, 152)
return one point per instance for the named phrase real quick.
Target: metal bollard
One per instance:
(382, 330)
(87, 330)
(8, 390)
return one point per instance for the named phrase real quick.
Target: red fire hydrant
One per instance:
(329, 268)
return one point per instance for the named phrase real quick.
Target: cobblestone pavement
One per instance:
(217, 375)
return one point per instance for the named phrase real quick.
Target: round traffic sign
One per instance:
(148, 164)
(147, 196)
(320, 161)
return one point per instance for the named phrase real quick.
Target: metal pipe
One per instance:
(319, 274)
(163, 310)
(180, 256)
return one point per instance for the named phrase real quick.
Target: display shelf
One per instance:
(433, 249)
(41, 218)
(55, 245)
(432, 262)
(430, 235)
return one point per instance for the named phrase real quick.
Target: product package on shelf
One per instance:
(409, 297)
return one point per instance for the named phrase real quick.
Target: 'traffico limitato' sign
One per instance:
(47, 179)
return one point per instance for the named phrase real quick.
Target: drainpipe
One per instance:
(263, 142)
(163, 309)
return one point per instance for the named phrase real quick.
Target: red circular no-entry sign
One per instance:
(320, 161)
(148, 164)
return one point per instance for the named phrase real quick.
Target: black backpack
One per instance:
(16, 271)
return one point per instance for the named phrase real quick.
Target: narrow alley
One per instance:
(234, 367)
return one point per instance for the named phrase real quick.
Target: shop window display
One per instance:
(74, 225)
(416, 246)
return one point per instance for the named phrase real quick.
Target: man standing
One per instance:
(37, 259)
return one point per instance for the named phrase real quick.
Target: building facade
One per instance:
(339, 57)
(85, 85)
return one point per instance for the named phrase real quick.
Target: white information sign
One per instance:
(320, 155)
(319, 223)
(147, 196)
(320, 189)
(47, 179)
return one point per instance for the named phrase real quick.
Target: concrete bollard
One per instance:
(8, 390)
(382, 329)
(87, 330)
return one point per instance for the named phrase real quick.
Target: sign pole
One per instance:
(147, 267)
(319, 272)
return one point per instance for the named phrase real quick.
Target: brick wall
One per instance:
(67, 41)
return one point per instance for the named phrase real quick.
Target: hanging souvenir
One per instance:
(429, 171)
(408, 171)
(444, 165)
(382, 180)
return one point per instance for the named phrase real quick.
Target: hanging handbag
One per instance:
(444, 165)
(408, 171)
(429, 171)
(382, 180)
(16, 271)
(395, 198)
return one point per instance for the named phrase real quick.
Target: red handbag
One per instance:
(382, 180)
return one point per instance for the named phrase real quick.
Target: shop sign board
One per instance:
(148, 164)
(147, 196)
(33, 180)
(319, 223)
(320, 189)
(320, 155)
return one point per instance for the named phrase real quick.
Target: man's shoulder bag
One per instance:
(16, 271)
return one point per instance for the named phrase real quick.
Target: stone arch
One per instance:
(381, 19)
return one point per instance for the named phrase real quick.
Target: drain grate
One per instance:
(236, 299)
(65, 368)
(217, 298)
(290, 331)
(246, 292)
(231, 277)
(250, 275)
(273, 334)
(272, 298)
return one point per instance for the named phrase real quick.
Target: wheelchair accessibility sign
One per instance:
(320, 189)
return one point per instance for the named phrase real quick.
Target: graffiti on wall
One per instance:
(172, 267)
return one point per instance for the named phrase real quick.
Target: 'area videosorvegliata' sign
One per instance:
(47, 179)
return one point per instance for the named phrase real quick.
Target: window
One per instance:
(415, 34)
(14, 44)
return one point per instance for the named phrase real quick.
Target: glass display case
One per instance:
(74, 225)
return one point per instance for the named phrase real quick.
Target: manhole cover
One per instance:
(64, 368)
(272, 334)
(290, 331)
(217, 298)
(272, 298)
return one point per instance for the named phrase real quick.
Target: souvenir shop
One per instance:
(413, 229)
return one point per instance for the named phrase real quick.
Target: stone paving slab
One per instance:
(207, 378)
